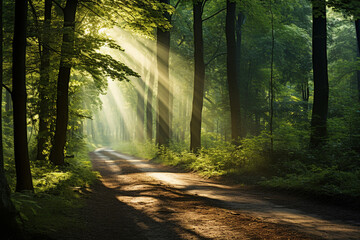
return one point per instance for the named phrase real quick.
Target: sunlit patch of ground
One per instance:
(133, 205)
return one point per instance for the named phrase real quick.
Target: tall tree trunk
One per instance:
(43, 134)
(1, 83)
(22, 165)
(271, 87)
(321, 85)
(357, 27)
(240, 79)
(149, 106)
(8, 225)
(163, 95)
(140, 110)
(199, 79)
(232, 72)
(62, 104)
(7, 209)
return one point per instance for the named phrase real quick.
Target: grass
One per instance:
(333, 171)
(58, 192)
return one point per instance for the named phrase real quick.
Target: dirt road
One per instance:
(137, 199)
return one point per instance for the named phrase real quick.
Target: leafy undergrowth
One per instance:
(333, 171)
(57, 193)
(327, 182)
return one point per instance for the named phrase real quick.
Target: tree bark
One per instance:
(1, 83)
(357, 27)
(140, 110)
(321, 85)
(199, 79)
(149, 106)
(163, 95)
(62, 104)
(43, 133)
(7, 210)
(22, 165)
(232, 72)
(8, 225)
(271, 87)
(240, 79)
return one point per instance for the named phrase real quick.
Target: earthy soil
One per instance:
(136, 200)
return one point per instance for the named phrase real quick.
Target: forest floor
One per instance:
(138, 199)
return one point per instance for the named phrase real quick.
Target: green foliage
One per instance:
(57, 192)
(320, 181)
(145, 150)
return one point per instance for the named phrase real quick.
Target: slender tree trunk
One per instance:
(240, 79)
(140, 110)
(7, 210)
(43, 134)
(163, 95)
(357, 27)
(321, 85)
(8, 100)
(232, 72)
(62, 104)
(149, 106)
(199, 79)
(1, 83)
(271, 90)
(22, 165)
(8, 225)
(171, 110)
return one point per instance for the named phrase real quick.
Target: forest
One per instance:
(257, 92)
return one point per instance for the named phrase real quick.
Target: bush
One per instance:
(57, 192)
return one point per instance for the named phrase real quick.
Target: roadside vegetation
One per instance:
(58, 192)
(332, 171)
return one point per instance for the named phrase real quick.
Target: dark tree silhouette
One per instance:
(163, 96)
(199, 78)
(43, 134)
(62, 104)
(232, 71)
(23, 173)
(321, 85)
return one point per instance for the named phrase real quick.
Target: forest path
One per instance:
(137, 199)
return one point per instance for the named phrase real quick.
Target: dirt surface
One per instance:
(136, 199)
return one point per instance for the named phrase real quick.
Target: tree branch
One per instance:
(91, 10)
(181, 41)
(37, 24)
(214, 14)
(58, 4)
(203, 6)
(214, 57)
(7, 88)
(209, 100)
(177, 4)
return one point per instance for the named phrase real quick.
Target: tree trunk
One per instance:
(8, 225)
(321, 85)
(163, 95)
(240, 79)
(1, 83)
(149, 106)
(271, 87)
(62, 104)
(22, 165)
(43, 134)
(199, 79)
(140, 111)
(7, 209)
(232, 72)
(357, 27)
